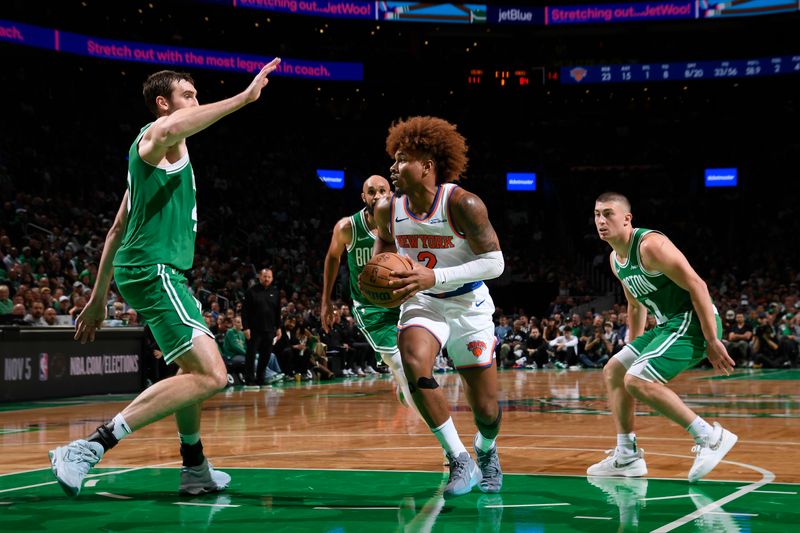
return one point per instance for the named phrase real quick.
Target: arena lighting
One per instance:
(521, 181)
(333, 179)
(722, 177)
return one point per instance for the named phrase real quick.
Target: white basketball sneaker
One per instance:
(72, 462)
(710, 451)
(620, 464)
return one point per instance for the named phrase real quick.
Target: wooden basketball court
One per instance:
(346, 456)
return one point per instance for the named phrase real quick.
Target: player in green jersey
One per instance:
(149, 243)
(657, 278)
(356, 234)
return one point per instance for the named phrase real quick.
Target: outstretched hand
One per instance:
(719, 358)
(89, 321)
(326, 314)
(261, 80)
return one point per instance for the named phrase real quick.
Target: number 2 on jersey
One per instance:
(428, 258)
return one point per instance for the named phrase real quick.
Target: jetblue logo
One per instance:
(437, 221)
(515, 15)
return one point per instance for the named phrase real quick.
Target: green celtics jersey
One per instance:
(359, 252)
(162, 214)
(659, 294)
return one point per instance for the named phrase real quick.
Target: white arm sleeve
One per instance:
(486, 266)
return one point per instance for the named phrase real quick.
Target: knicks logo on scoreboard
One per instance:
(578, 73)
(476, 347)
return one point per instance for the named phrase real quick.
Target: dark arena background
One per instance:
(689, 108)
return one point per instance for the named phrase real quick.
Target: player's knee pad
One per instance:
(423, 383)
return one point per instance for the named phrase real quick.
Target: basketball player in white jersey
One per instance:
(446, 231)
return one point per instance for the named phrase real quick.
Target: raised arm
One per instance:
(659, 254)
(170, 130)
(94, 313)
(341, 238)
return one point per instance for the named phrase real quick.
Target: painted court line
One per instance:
(526, 505)
(668, 497)
(358, 508)
(766, 478)
(731, 514)
(24, 471)
(305, 435)
(593, 517)
(772, 491)
(207, 504)
(91, 483)
(115, 496)
(123, 471)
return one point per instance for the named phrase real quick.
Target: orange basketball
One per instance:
(374, 279)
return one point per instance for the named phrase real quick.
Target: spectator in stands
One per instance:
(550, 328)
(536, 352)
(18, 312)
(337, 340)
(132, 318)
(502, 329)
(223, 325)
(737, 339)
(788, 335)
(610, 334)
(566, 348)
(234, 343)
(512, 348)
(766, 350)
(5, 302)
(36, 315)
(589, 326)
(597, 350)
(50, 316)
(284, 341)
(63, 305)
(46, 296)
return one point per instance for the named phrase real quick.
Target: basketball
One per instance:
(374, 279)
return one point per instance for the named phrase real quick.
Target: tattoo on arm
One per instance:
(473, 219)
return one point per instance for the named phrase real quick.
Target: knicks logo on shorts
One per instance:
(476, 347)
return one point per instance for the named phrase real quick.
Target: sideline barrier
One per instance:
(40, 363)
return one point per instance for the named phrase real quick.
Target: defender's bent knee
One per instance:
(219, 380)
(635, 386)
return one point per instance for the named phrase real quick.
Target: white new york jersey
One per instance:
(431, 240)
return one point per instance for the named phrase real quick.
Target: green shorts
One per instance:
(379, 326)
(160, 295)
(670, 348)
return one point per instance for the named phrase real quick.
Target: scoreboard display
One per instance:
(696, 70)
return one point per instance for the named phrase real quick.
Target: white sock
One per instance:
(699, 429)
(626, 442)
(191, 438)
(121, 428)
(448, 438)
(484, 444)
